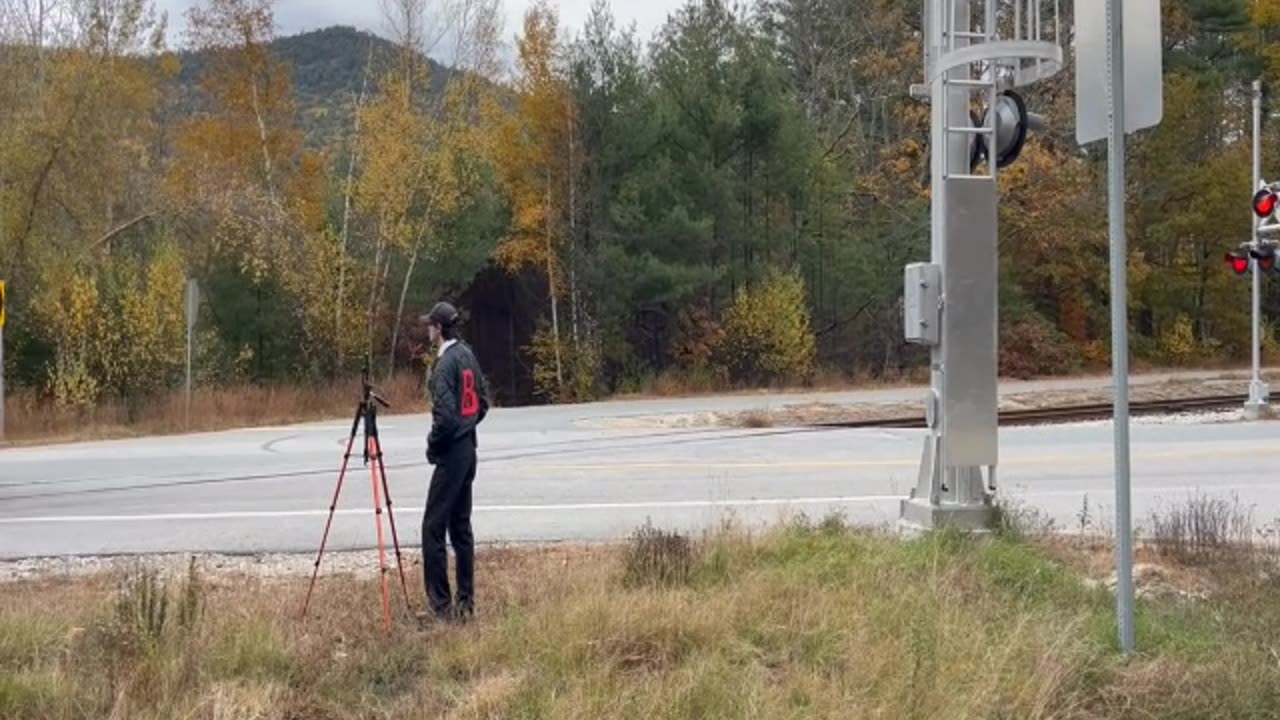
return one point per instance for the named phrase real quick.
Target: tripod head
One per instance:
(366, 388)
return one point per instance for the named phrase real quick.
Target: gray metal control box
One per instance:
(922, 286)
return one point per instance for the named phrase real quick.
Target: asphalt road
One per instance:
(555, 474)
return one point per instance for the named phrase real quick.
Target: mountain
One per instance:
(328, 68)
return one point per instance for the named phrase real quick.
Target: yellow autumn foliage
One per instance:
(767, 333)
(122, 334)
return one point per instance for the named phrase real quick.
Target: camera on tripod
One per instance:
(366, 388)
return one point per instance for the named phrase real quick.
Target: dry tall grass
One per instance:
(31, 418)
(807, 621)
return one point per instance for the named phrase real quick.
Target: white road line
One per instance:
(479, 509)
(1016, 491)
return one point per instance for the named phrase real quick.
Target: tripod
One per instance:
(367, 411)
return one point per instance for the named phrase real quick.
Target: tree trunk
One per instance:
(40, 57)
(346, 221)
(573, 237)
(551, 289)
(766, 238)
(266, 149)
(404, 289)
(511, 336)
(395, 329)
(373, 290)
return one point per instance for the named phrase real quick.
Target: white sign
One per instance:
(1143, 68)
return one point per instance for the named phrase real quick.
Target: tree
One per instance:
(420, 135)
(534, 168)
(78, 107)
(249, 194)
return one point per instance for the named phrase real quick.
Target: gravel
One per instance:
(267, 565)
(1214, 417)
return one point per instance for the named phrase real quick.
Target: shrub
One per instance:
(578, 367)
(1178, 343)
(1032, 347)
(697, 338)
(767, 335)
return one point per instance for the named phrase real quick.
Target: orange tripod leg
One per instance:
(391, 518)
(333, 504)
(382, 552)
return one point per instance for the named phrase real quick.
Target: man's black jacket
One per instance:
(459, 399)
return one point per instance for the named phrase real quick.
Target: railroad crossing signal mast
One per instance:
(976, 53)
(1260, 252)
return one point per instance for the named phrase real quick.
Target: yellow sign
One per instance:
(1, 303)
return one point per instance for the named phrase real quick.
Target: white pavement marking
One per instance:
(562, 507)
(654, 505)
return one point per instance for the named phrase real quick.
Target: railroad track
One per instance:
(1093, 411)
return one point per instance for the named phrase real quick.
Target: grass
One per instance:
(807, 620)
(32, 419)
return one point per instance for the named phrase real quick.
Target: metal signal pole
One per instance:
(1119, 320)
(1258, 391)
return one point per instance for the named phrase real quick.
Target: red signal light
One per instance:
(1239, 264)
(1264, 203)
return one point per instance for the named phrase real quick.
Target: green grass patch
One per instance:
(255, 651)
(30, 694)
(29, 642)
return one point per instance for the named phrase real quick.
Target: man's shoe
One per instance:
(428, 617)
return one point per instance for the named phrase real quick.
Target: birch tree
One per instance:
(420, 134)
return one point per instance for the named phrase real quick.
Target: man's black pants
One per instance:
(449, 510)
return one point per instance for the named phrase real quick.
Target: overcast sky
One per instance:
(294, 16)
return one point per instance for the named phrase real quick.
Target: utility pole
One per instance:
(1259, 393)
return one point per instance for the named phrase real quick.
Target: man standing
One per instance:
(459, 402)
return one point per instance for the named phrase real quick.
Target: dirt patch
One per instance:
(1153, 574)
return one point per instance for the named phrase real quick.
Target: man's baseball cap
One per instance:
(443, 314)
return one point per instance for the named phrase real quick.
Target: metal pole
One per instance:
(188, 410)
(1119, 319)
(1257, 391)
(2, 395)
(191, 311)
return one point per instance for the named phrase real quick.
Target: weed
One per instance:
(142, 606)
(1020, 522)
(190, 608)
(1084, 518)
(655, 557)
(1204, 529)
